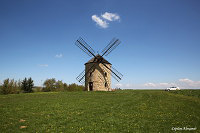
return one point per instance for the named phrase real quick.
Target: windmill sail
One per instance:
(81, 77)
(115, 74)
(96, 60)
(85, 47)
(111, 46)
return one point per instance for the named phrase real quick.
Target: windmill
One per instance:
(98, 71)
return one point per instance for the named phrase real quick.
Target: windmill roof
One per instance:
(98, 57)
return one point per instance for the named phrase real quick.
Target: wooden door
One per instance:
(91, 86)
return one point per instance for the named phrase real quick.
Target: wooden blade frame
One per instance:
(85, 47)
(82, 75)
(115, 74)
(110, 47)
(88, 50)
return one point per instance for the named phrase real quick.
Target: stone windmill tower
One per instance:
(98, 71)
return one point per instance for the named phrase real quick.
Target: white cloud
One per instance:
(185, 80)
(118, 85)
(110, 16)
(59, 56)
(124, 86)
(43, 65)
(159, 85)
(102, 21)
(189, 83)
(183, 83)
(149, 85)
(164, 84)
(99, 21)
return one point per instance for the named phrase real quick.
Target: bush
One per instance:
(37, 89)
(65, 86)
(26, 86)
(59, 85)
(53, 85)
(50, 85)
(75, 87)
(5, 88)
(10, 87)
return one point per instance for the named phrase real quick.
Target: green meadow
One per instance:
(119, 111)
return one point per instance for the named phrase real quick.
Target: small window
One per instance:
(105, 74)
(90, 74)
(106, 84)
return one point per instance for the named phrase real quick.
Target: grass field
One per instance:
(119, 111)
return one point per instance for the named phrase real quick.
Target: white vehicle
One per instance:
(172, 88)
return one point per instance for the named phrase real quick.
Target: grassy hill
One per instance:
(120, 111)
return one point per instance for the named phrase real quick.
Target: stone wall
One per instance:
(98, 77)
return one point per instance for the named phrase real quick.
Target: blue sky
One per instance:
(160, 40)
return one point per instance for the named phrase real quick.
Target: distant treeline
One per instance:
(11, 86)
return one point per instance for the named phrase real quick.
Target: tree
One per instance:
(24, 85)
(53, 85)
(65, 86)
(19, 84)
(49, 85)
(59, 85)
(12, 88)
(30, 85)
(27, 85)
(5, 87)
